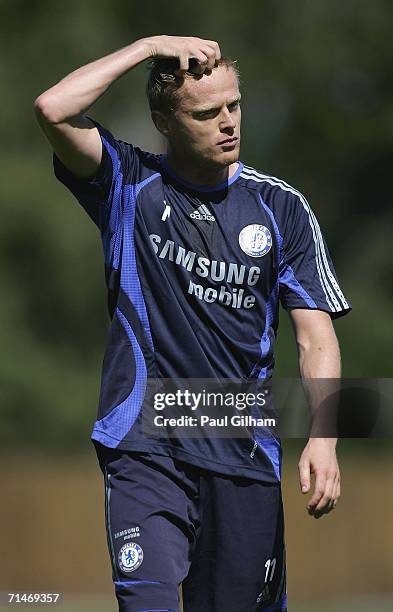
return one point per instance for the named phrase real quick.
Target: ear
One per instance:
(161, 121)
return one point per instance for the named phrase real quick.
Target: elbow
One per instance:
(46, 109)
(303, 350)
(317, 344)
(319, 357)
(307, 342)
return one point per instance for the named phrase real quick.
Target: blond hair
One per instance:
(163, 83)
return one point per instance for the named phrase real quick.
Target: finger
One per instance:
(335, 495)
(320, 483)
(183, 62)
(324, 503)
(215, 46)
(328, 492)
(211, 58)
(304, 475)
(334, 500)
(198, 62)
(188, 63)
(211, 54)
(337, 491)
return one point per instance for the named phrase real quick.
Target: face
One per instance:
(205, 128)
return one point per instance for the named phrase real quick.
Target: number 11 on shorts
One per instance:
(270, 566)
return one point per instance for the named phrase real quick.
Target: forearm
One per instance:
(319, 357)
(60, 110)
(320, 369)
(75, 93)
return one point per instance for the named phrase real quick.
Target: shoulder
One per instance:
(138, 165)
(132, 163)
(135, 155)
(273, 187)
(284, 200)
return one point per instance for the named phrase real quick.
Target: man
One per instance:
(198, 250)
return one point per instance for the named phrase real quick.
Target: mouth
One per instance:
(228, 142)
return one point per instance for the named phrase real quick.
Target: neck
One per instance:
(200, 174)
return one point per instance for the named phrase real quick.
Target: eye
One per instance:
(206, 114)
(234, 105)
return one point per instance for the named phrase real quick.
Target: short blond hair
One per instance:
(163, 83)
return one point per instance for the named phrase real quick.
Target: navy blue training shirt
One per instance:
(195, 276)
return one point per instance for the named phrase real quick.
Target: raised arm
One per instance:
(60, 110)
(320, 369)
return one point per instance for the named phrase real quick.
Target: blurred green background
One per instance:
(317, 111)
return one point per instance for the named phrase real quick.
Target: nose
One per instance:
(227, 121)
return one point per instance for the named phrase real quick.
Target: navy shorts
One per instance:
(170, 523)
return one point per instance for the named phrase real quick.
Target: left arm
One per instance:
(319, 359)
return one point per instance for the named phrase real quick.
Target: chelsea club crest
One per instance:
(255, 240)
(130, 557)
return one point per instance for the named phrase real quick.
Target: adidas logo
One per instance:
(202, 213)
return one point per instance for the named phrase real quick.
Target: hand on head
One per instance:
(194, 54)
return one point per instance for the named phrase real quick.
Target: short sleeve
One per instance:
(307, 278)
(100, 193)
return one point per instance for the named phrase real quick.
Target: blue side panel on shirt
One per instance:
(129, 281)
(271, 321)
(287, 278)
(114, 426)
(267, 340)
(130, 313)
(119, 369)
(270, 446)
(111, 237)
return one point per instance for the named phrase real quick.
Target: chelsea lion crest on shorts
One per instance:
(130, 557)
(255, 240)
